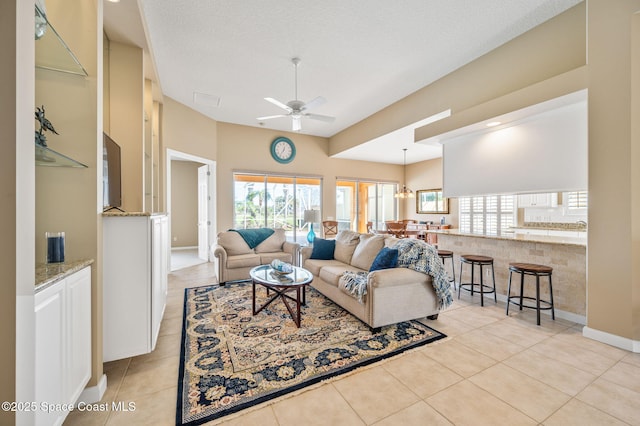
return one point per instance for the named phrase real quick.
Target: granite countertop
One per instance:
(129, 214)
(514, 236)
(48, 274)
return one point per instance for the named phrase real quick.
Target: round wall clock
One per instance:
(283, 150)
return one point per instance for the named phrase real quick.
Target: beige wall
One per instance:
(184, 203)
(242, 148)
(187, 131)
(126, 118)
(613, 280)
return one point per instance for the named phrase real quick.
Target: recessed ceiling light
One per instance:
(494, 124)
(113, 1)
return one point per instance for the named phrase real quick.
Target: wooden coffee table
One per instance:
(282, 284)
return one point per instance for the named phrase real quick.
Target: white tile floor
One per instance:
(491, 370)
(184, 258)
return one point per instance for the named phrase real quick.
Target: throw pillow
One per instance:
(323, 249)
(386, 258)
(346, 243)
(367, 250)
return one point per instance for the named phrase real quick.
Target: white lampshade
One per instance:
(312, 216)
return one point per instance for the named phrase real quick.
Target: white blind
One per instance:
(577, 200)
(486, 215)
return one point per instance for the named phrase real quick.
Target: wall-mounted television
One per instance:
(111, 174)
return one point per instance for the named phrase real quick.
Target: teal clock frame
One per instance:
(273, 150)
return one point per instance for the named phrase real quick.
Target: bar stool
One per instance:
(448, 254)
(536, 271)
(477, 260)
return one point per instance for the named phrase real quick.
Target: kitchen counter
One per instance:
(518, 236)
(566, 255)
(48, 274)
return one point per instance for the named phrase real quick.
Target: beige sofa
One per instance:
(393, 295)
(235, 257)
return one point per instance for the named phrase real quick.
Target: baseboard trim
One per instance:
(94, 394)
(611, 339)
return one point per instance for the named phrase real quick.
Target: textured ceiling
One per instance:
(361, 55)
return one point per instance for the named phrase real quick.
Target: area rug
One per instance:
(232, 360)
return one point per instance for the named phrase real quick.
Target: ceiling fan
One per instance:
(297, 109)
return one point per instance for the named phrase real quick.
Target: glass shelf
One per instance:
(47, 157)
(52, 53)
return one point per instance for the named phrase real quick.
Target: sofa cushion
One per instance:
(346, 243)
(390, 241)
(266, 258)
(369, 246)
(386, 258)
(273, 243)
(233, 243)
(314, 265)
(323, 249)
(331, 274)
(243, 261)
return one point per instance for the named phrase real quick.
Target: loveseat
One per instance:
(393, 295)
(236, 257)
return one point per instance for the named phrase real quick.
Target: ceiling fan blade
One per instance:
(279, 104)
(296, 124)
(269, 117)
(324, 118)
(314, 103)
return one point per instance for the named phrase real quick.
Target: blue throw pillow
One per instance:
(323, 249)
(386, 258)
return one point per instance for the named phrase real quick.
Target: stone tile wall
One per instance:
(569, 265)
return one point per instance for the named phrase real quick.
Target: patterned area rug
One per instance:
(231, 360)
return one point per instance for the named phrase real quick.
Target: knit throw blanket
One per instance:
(253, 237)
(413, 254)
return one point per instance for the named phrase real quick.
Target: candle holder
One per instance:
(55, 247)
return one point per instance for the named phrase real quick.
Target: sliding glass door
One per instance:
(275, 201)
(360, 202)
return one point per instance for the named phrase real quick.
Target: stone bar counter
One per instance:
(565, 254)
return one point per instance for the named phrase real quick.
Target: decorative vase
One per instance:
(55, 247)
(311, 235)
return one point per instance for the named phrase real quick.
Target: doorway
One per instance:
(191, 208)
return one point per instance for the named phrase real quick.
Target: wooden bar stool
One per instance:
(448, 254)
(536, 271)
(480, 261)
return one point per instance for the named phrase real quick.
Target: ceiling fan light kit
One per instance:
(297, 109)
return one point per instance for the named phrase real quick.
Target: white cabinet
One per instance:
(62, 345)
(549, 199)
(135, 267)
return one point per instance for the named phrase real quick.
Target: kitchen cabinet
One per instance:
(62, 344)
(549, 199)
(135, 267)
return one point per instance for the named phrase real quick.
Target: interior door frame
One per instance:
(177, 155)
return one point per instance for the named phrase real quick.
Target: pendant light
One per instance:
(406, 192)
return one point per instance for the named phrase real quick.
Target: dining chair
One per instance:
(330, 228)
(397, 229)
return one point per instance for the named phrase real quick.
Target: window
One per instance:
(275, 201)
(486, 214)
(359, 202)
(577, 200)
